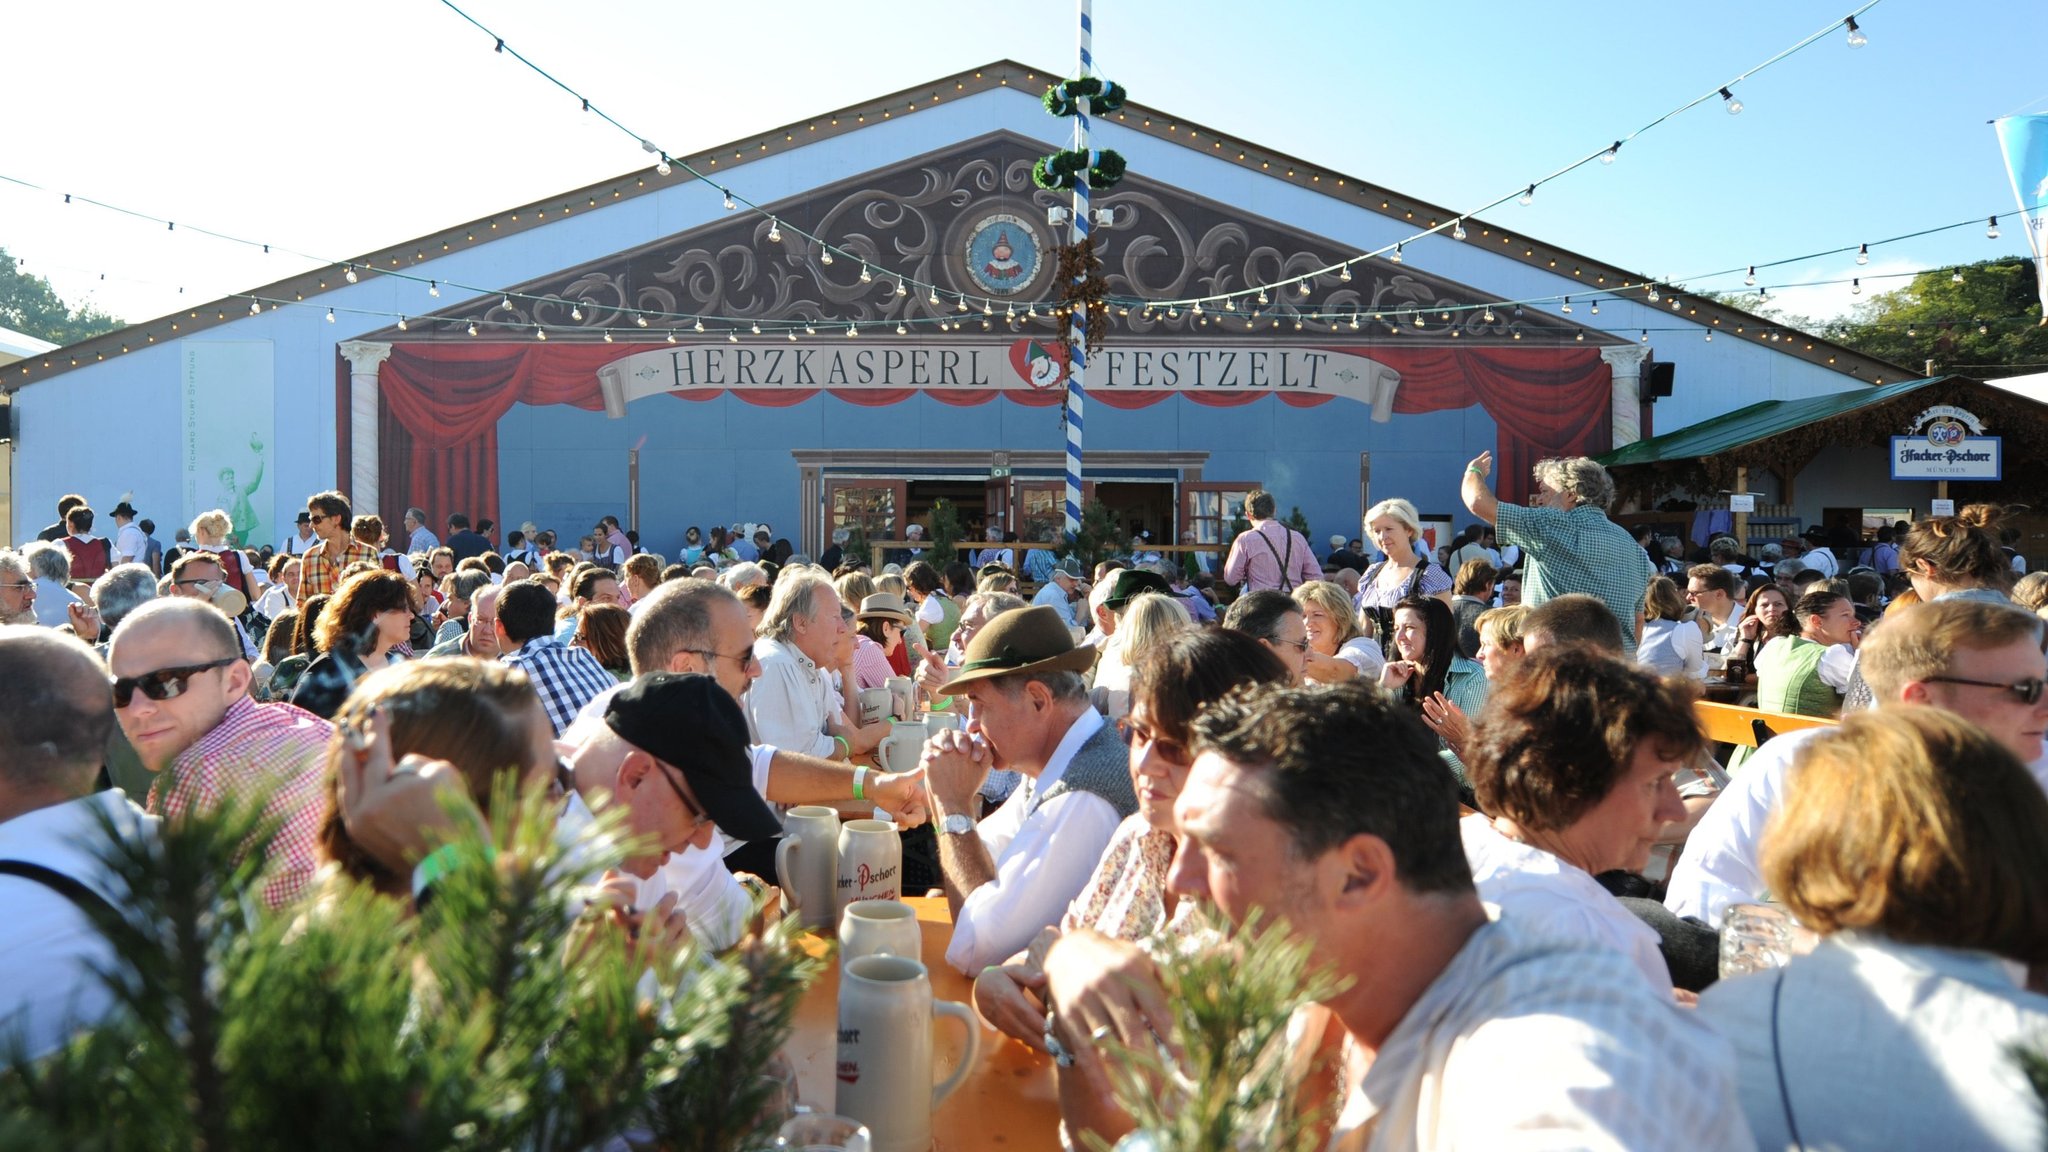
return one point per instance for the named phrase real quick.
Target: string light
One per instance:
(1856, 37)
(1991, 230)
(901, 291)
(330, 315)
(576, 312)
(1458, 230)
(1855, 287)
(731, 337)
(700, 324)
(255, 307)
(1710, 335)
(901, 330)
(757, 328)
(640, 320)
(401, 323)
(1729, 102)
(1487, 316)
(508, 303)
(1344, 276)
(1596, 307)
(472, 327)
(434, 288)
(671, 335)
(1956, 277)
(539, 333)
(791, 334)
(1654, 297)
(1750, 280)
(1567, 309)
(825, 256)
(1528, 195)
(1613, 150)
(1396, 257)
(851, 331)
(729, 205)
(774, 230)
(934, 298)
(866, 277)
(349, 273)
(1301, 289)
(608, 336)
(1863, 254)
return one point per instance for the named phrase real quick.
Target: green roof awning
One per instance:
(1759, 421)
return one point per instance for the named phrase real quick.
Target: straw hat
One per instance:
(882, 606)
(1019, 642)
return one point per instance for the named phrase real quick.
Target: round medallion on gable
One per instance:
(1003, 254)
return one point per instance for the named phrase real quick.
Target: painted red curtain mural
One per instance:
(438, 430)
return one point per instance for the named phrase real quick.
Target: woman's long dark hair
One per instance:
(1194, 668)
(1440, 644)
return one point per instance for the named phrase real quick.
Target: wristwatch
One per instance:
(957, 824)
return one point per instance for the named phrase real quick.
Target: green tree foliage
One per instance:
(30, 306)
(1991, 320)
(492, 1019)
(1100, 537)
(943, 527)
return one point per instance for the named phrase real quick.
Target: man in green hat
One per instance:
(1015, 872)
(1112, 674)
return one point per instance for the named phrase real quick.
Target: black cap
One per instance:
(1131, 583)
(1815, 532)
(686, 719)
(305, 518)
(124, 508)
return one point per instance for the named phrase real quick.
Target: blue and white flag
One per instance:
(2024, 140)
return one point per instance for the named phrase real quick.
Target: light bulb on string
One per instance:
(434, 288)
(774, 230)
(1674, 304)
(1991, 230)
(933, 299)
(1863, 254)
(851, 331)
(608, 336)
(866, 277)
(1729, 102)
(757, 327)
(640, 320)
(960, 305)
(576, 312)
(1856, 37)
(810, 330)
(731, 337)
(901, 330)
(901, 291)
(1301, 288)
(1613, 150)
(1912, 331)
(1710, 336)
(401, 323)
(330, 315)
(1596, 308)
(349, 274)
(1487, 316)
(1396, 257)
(729, 205)
(661, 167)
(1345, 275)
(255, 307)
(507, 302)
(1750, 279)
(1262, 298)
(1856, 287)
(791, 334)
(1579, 336)
(1458, 230)
(1983, 329)
(1528, 195)
(1956, 277)
(699, 326)
(539, 333)
(988, 307)
(1646, 336)
(472, 327)
(1518, 333)
(825, 256)
(1654, 297)
(1418, 319)
(671, 335)
(1567, 308)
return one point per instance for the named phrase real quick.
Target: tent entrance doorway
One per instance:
(1141, 507)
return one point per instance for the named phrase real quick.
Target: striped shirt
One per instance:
(566, 678)
(256, 749)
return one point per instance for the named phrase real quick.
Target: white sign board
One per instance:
(228, 405)
(1942, 508)
(1957, 458)
(1742, 502)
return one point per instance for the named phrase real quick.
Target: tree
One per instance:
(1990, 319)
(30, 306)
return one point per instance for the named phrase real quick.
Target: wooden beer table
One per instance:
(1008, 1100)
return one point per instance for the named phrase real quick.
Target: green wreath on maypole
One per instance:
(1080, 269)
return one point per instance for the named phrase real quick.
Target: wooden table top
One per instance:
(1008, 1100)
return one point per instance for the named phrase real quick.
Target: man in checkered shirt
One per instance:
(1327, 808)
(181, 694)
(566, 678)
(1567, 540)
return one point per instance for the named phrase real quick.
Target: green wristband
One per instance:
(845, 749)
(860, 782)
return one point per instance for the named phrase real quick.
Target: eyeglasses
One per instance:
(1301, 644)
(17, 587)
(2026, 691)
(697, 814)
(1135, 734)
(164, 683)
(745, 656)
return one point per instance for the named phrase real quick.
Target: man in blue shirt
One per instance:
(1060, 591)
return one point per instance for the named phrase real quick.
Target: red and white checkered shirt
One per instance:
(268, 747)
(319, 576)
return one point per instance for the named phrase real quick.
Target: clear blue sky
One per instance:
(339, 128)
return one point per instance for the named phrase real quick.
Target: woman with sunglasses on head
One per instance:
(481, 717)
(1127, 898)
(369, 617)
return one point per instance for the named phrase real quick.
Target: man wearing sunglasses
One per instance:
(320, 570)
(1980, 659)
(53, 695)
(181, 695)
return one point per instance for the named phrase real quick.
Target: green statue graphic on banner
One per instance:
(234, 498)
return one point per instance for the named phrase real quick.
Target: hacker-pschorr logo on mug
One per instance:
(864, 876)
(849, 1069)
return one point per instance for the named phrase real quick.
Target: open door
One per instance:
(997, 513)
(1041, 516)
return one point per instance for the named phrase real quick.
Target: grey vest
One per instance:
(1102, 766)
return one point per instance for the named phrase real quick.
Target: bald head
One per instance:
(56, 713)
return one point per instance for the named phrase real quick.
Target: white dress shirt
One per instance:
(53, 603)
(1531, 1041)
(1719, 864)
(1530, 886)
(1043, 853)
(709, 897)
(129, 544)
(48, 948)
(1885, 1045)
(792, 700)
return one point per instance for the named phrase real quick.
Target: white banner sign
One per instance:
(229, 420)
(1968, 458)
(1023, 365)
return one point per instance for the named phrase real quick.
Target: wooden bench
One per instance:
(1735, 724)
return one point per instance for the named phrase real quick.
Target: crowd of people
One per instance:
(1470, 778)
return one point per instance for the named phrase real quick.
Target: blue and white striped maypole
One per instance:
(1077, 332)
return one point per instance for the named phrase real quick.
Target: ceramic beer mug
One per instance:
(874, 704)
(807, 864)
(870, 863)
(900, 749)
(885, 1050)
(879, 928)
(937, 722)
(902, 696)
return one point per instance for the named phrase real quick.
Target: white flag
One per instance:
(2024, 140)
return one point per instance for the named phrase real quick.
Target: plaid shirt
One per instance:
(319, 576)
(1579, 551)
(566, 678)
(274, 748)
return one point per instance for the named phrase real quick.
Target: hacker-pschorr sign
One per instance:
(1947, 443)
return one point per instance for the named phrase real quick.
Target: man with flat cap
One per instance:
(1063, 587)
(672, 753)
(1015, 872)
